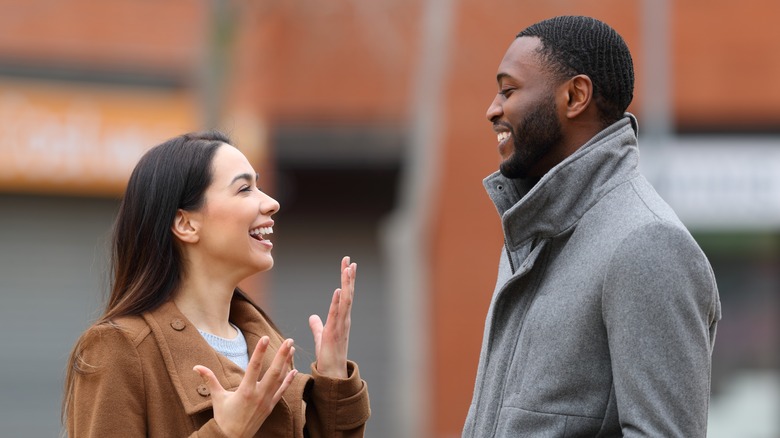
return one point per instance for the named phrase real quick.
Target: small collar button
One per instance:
(178, 324)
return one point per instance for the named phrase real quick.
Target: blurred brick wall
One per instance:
(137, 35)
(333, 61)
(350, 60)
(726, 64)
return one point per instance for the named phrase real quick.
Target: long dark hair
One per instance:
(146, 261)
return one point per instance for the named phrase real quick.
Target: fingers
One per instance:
(212, 383)
(240, 412)
(285, 384)
(333, 309)
(255, 365)
(348, 274)
(345, 276)
(281, 365)
(283, 357)
(338, 319)
(278, 369)
(315, 324)
(281, 373)
(348, 291)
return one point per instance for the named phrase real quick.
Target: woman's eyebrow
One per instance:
(245, 176)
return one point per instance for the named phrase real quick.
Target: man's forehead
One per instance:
(521, 55)
(522, 48)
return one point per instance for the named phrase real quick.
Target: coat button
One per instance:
(178, 324)
(203, 390)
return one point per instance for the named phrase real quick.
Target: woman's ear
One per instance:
(185, 227)
(579, 93)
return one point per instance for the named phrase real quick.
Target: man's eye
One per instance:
(506, 92)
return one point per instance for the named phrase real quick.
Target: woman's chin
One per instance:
(265, 264)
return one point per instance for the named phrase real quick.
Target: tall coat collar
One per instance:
(560, 198)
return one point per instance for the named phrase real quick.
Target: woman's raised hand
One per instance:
(332, 340)
(240, 413)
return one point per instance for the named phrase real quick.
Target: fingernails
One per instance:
(264, 340)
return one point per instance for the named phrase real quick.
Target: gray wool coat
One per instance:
(603, 318)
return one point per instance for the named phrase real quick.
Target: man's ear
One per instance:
(185, 227)
(579, 93)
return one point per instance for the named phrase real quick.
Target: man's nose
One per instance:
(494, 111)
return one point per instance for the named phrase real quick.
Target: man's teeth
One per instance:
(502, 136)
(261, 231)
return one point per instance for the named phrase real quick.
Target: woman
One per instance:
(170, 357)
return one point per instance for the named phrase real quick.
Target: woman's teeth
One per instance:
(260, 231)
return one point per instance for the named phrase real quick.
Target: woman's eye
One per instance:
(245, 189)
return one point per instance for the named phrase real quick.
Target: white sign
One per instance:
(718, 183)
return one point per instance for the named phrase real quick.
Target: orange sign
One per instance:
(83, 139)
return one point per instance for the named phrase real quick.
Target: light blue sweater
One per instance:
(234, 349)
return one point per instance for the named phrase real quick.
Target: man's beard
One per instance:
(541, 131)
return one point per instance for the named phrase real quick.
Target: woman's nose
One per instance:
(269, 205)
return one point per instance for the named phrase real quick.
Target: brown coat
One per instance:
(139, 382)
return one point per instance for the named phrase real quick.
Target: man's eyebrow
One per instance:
(245, 176)
(501, 76)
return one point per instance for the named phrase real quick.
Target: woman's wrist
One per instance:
(337, 372)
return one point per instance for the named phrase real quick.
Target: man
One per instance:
(603, 318)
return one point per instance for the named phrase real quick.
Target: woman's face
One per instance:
(235, 220)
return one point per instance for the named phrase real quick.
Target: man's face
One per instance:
(524, 113)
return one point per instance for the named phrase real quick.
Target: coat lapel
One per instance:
(182, 347)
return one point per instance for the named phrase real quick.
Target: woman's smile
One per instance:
(259, 234)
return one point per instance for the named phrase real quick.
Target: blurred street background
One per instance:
(366, 121)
